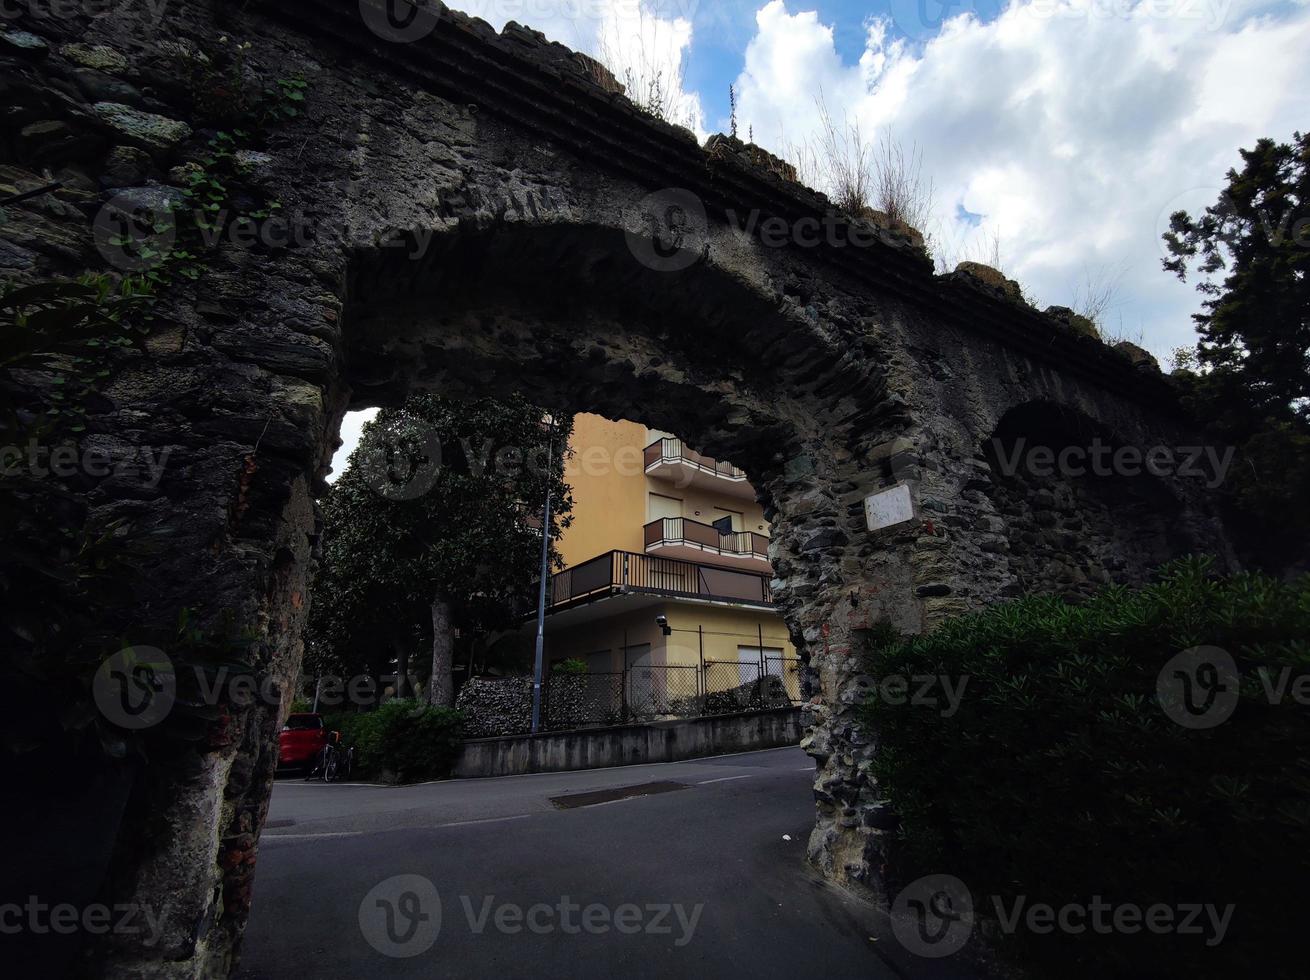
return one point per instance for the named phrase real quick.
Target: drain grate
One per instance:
(618, 793)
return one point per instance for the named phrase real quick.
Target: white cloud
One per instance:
(1072, 128)
(647, 53)
(644, 42)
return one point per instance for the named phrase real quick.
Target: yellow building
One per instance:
(667, 580)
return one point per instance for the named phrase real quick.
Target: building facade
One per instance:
(667, 571)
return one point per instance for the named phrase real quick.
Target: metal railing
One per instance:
(675, 451)
(676, 530)
(654, 692)
(626, 571)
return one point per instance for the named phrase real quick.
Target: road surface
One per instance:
(690, 869)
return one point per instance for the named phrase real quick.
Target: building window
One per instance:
(728, 521)
(748, 662)
(661, 507)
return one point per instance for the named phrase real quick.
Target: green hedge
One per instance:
(1061, 778)
(406, 740)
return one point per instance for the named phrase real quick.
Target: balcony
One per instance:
(680, 537)
(669, 460)
(624, 572)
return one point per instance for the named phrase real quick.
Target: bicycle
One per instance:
(337, 762)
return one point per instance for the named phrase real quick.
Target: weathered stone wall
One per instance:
(478, 218)
(1076, 531)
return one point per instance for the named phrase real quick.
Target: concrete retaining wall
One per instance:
(629, 745)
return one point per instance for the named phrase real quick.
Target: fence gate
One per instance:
(788, 669)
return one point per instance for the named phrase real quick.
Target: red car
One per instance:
(301, 741)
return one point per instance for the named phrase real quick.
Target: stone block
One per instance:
(156, 133)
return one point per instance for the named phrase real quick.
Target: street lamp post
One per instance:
(541, 594)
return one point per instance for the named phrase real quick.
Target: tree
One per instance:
(1250, 380)
(435, 527)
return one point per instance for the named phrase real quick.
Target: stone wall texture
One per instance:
(477, 215)
(495, 706)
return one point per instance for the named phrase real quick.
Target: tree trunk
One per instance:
(441, 688)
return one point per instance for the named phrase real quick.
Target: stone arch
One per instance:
(720, 353)
(860, 371)
(564, 313)
(548, 310)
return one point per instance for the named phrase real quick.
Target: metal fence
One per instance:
(653, 692)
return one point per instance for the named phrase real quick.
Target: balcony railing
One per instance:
(626, 571)
(674, 451)
(705, 537)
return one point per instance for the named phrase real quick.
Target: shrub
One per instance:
(409, 740)
(1060, 778)
(572, 666)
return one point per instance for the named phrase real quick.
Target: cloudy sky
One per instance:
(1065, 130)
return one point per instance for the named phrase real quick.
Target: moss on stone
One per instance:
(885, 221)
(157, 133)
(1075, 322)
(96, 56)
(1139, 356)
(991, 278)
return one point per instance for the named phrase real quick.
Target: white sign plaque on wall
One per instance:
(887, 508)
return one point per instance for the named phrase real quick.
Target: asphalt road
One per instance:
(703, 875)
